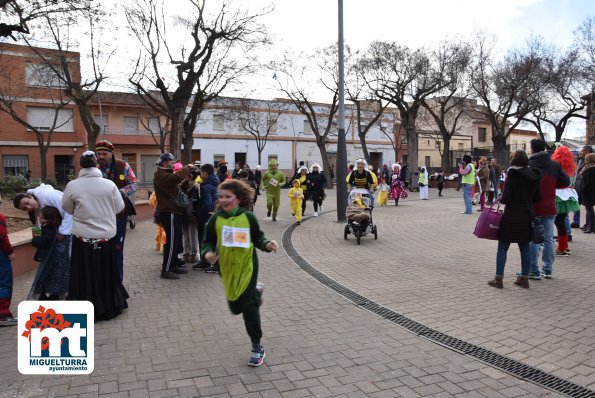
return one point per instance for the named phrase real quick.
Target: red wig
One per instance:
(563, 156)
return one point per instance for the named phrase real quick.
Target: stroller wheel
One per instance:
(358, 239)
(346, 232)
(375, 232)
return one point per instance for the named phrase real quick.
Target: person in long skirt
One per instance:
(94, 203)
(423, 183)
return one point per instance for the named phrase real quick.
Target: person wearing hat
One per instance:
(120, 172)
(272, 181)
(94, 202)
(171, 217)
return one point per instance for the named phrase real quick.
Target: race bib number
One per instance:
(235, 237)
(273, 182)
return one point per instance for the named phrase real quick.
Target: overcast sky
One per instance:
(307, 25)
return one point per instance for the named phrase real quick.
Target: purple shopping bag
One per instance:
(488, 224)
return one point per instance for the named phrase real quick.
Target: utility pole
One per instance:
(341, 167)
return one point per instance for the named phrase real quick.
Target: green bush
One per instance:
(11, 185)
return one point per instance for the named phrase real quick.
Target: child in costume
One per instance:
(230, 237)
(383, 195)
(272, 181)
(566, 198)
(296, 197)
(6, 259)
(160, 232)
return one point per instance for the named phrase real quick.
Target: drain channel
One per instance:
(508, 365)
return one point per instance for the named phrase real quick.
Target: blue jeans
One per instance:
(548, 248)
(467, 198)
(576, 219)
(567, 222)
(503, 251)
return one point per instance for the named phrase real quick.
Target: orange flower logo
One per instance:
(43, 319)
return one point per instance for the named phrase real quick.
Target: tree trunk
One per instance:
(446, 166)
(188, 143)
(175, 142)
(43, 160)
(260, 156)
(501, 150)
(412, 147)
(91, 127)
(326, 164)
(362, 138)
(559, 133)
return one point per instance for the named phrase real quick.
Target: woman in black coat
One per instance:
(521, 189)
(588, 191)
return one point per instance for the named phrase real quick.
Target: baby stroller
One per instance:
(359, 215)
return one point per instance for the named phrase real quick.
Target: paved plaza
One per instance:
(178, 338)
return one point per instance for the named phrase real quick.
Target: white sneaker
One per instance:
(315, 214)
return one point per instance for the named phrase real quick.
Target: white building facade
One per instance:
(219, 135)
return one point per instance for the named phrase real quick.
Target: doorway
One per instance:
(64, 165)
(376, 160)
(239, 158)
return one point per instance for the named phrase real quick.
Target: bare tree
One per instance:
(294, 77)
(405, 77)
(16, 16)
(158, 132)
(260, 119)
(561, 99)
(58, 31)
(390, 127)
(509, 89)
(58, 115)
(173, 74)
(584, 42)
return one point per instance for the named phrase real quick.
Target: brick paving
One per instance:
(179, 339)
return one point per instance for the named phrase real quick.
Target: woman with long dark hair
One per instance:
(521, 190)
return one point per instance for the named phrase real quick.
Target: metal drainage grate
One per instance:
(508, 365)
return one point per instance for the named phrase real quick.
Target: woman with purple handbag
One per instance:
(521, 189)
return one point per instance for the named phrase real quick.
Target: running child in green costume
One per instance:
(230, 237)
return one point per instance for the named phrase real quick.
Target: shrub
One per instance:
(12, 185)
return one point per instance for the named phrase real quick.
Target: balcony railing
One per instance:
(128, 132)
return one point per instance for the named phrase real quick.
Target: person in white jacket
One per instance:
(94, 202)
(423, 183)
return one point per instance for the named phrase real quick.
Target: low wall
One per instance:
(24, 252)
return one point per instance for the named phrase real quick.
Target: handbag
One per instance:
(181, 200)
(488, 223)
(537, 231)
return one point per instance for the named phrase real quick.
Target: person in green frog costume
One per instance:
(230, 237)
(273, 180)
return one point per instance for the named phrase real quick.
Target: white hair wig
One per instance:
(315, 165)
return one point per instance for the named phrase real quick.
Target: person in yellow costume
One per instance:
(296, 196)
(160, 233)
(362, 178)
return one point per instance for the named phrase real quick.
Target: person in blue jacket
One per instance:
(208, 200)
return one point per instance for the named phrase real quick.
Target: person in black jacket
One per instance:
(521, 190)
(208, 200)
(588, 191)
(317, 187)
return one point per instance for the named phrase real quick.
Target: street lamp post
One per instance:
(341, 168)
